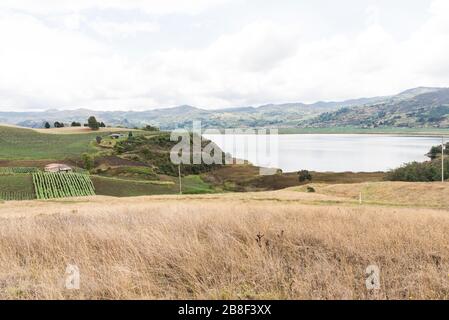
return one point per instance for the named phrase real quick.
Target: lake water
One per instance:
(327, 152)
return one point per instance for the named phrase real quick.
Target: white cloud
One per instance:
(112, 29)
(47, 66)
(149, 6)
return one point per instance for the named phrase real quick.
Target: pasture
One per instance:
(27, 144)
(283, 244)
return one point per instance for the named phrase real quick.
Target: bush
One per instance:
(88, 161)
(304, 175)
(310, 189)
(419, 171)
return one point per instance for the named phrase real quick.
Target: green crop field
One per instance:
(15, 170)
(62, 185)
(27, 144)
(16, 187)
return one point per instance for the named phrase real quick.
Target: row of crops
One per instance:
(49, 185)
(16, 195)
(16, 170)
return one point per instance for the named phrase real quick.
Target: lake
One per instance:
(327, 152)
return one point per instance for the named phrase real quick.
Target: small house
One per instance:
(57, 167)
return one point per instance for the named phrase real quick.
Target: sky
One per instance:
(146, 54)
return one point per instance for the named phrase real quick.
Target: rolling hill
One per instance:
(421, 107)
(415, 108)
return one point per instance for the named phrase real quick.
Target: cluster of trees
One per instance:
(435, 151)
(91, 123)
(423, 171)
(150, 128)
(419, 171)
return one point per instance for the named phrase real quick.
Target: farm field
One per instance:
(16, 187)
(62, 185)
(28, 144)
(284, 244)
(128, 188)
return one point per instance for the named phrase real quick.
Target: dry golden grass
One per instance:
(313, 246)
(423, 194)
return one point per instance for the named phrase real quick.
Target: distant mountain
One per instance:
(418, 107)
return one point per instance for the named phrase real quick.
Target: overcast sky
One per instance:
(131, 54)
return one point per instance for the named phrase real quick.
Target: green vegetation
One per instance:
(17, 170)
(16, 183)
(419, 171)
(61, 185)
(131, 188)
(16, 187)
(88, 161)
(27, 144)
(304, 175)
(155, 151)
(93, 123)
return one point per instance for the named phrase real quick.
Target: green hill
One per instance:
(27, 144)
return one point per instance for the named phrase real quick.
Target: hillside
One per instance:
(416, 108)
(271, 115)
(278, 245)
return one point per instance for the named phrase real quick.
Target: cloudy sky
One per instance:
(143, 54)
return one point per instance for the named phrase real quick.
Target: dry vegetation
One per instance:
(311, 246)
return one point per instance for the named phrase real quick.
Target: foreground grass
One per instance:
(202, 247)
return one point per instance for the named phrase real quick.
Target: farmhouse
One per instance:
(57, 167)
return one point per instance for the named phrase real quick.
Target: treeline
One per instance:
(91, 123)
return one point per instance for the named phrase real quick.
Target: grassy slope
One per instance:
(128, 188)
(169, 247)
(28, 144)
(24, 144)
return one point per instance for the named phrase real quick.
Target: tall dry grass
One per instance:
(207, 248)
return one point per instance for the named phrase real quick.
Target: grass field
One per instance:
(27, 144)
(278, 245)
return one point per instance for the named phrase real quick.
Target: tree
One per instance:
(304, 175)
(76, 124)
(58, 124)
(150, 128)
(102, 125)
(47, 125)
(130, 135)
(88, 161)
(99, 139)
(93, 123)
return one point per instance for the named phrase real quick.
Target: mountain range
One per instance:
(418, 107)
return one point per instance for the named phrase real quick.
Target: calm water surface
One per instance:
(330, 152)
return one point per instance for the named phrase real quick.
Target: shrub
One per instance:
(88, 161)
(419, 171)
(310, 189)
(304, 175)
